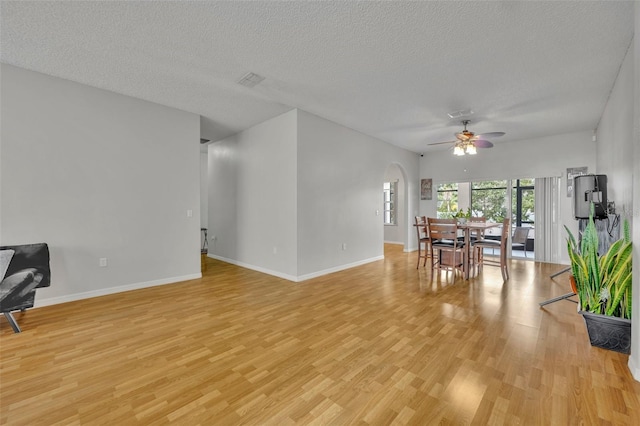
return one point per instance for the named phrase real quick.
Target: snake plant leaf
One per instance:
(620, 289)
(603, 281)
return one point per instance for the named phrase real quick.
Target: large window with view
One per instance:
(489, 200)
(523, 202)
(523, 217)
(447, 200)
(496, 200)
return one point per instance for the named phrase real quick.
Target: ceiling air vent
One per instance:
(460, 114)
(250, 79)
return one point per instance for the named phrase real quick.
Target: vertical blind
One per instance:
(547, 202)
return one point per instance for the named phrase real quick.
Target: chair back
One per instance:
(421, 227)
(520, 235)
(477, 219)
(479, 233)
(30, 256)
(504, 237)
(443, 229)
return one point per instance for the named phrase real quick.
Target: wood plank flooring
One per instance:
(379, 344)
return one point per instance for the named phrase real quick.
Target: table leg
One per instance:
(467, 250)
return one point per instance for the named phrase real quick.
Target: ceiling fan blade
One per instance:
(441, 143)
(482, 143)
(491, 135)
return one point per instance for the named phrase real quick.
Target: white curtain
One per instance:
(547, 208)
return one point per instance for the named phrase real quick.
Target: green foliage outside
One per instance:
(528, 200)
(488, 199)
(447, 200)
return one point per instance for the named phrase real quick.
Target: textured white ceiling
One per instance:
(388, 69)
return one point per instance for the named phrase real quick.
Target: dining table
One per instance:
(466, 228)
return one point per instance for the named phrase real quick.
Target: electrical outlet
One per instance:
(344, 246)
(275, 250)
(103, 262)
(189, 213)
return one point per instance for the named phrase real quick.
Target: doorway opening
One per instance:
(394, 206)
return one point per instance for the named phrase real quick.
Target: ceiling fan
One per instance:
(467, 141)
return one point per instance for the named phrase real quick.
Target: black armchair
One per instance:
(23, 268)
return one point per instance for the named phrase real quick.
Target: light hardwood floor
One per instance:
(383, 343)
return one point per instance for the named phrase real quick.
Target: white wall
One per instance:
(615, 140)
(340, 176)
(222, 187)
(618, 156)
(304, 186)
(252, 197)
(204, 192)
(394, 233)
(95, 174)
(537, 158)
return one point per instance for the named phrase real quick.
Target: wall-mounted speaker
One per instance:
(589, 189)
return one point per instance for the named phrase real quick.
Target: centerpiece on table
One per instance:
(461, 216)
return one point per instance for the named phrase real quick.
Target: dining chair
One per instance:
(493, 244)
(519, 239)
(423, 238)
(443, 236)
(476, 235)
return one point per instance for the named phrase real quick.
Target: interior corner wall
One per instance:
(618, 156)
(536, 158)
(340, 177)
(617, 145)
(98, 175)
(252, 197)
(614, 140)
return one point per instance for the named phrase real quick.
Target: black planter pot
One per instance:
(607, 332)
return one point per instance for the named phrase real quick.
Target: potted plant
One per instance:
(603, 286)
(463, 216)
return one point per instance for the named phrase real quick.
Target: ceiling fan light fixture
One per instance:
(458, 150)
(468, 142)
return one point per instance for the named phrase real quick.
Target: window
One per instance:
(390, 200)
(523, 202)
(447, 200)
(488, 199)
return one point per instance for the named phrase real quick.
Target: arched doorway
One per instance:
(395, 216)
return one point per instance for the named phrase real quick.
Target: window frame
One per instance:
(390, 203)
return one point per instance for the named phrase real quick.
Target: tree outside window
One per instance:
(488, 199)
(447, 200)
(523, 202)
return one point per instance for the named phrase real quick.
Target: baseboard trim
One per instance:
(254, 267)
(634, 368)
(113, 290)
(339, 268)
(291, 277)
